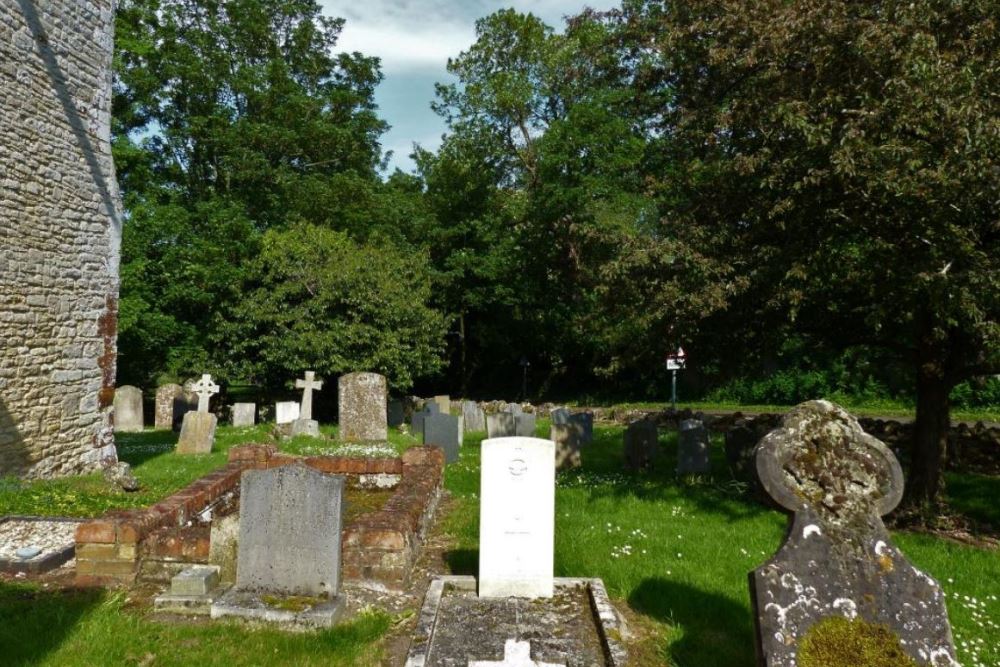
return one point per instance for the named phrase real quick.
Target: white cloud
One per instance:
(403, 48)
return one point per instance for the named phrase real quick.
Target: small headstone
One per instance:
(197, 580)
(693, 448)
(443, 403)
(838, 563)
(362, 407)
(197, 433)
(291, 519)
(394, 414)
(559, 415)
(285, 412)
(515, 654)
(585, 420)
(517, 518)
(568, 442)
(641, 444)
(500, 425)
(170, 406)
(475, 418)
(128, 409)
(244, 414)
(446, 432)
(524, 425)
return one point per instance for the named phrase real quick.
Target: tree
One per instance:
(322, 301)
(842, 157)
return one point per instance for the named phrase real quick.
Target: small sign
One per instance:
(675, 362)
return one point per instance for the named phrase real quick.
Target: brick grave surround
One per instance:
(379, 548)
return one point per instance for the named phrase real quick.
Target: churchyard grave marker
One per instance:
(128, 409)
(198, 428)
(362, 409)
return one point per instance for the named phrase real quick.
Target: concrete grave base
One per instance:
(577, 626)
(308, 427)
(250, 606)
(192, 592)
(53, 552)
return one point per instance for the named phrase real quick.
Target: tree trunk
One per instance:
(930, 436)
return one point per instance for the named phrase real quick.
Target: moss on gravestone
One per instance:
(840, 642)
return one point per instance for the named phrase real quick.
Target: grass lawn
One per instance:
(677, 552)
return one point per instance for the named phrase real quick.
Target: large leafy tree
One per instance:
(842, 157)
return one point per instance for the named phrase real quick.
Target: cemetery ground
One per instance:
(673, 553)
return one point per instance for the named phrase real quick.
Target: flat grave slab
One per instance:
(577, 627)
(44, 543)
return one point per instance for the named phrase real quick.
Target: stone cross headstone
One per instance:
(171, 405)
(290, 530)
(559, 415)
(516, 654)
(362, 410)
(524, 425)
(500, 425)
(568, 439)
(285, 412)
(198, 428)
(641, 444)
(395, 415)
(475, 418)
(244, 414)
(128, 409)
(517, 518)
(205, 388)
(838, 561)
(693, 448)
(446, 432)
(308, 385)
(443, 402)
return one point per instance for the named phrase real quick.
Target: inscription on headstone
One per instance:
(362, 407)
(128, 409)
(517, 518)
(838, 561)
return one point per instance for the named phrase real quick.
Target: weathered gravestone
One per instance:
(395, 416)
(171, 406)
(443, 402)
(517, 518)
(285, 412)
(305, 424)
(473, 415)
(559, 415)
(198, 428)
(693, 448)
(244, 414)
(524, 425)
(128, 409)
(642, 444)
(500, 425)
(290, 533)
(568, 439)
(514, 409)
(838, 574)
(362, 407)
(446, 432)
(515, 654)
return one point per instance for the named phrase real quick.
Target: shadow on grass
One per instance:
(138, 448)
(975, 497)
(714, 630)
(34, 623)
(463, 561)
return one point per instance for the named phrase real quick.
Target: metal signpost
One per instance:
(675, 362)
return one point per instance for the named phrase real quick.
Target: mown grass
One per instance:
(678, 553)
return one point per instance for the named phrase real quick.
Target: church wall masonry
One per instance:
(60, 231)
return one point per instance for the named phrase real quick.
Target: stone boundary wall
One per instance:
(60, 233)
(110, 549)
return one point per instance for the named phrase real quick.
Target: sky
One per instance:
(414, 39)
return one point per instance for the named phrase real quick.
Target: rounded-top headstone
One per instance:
(128, 409)
(362, 407)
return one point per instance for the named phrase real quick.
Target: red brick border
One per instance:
(379, 547)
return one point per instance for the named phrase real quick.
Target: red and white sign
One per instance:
(676, 361)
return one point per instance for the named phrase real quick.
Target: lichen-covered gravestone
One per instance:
(838, 581)
(641, 444)
(128, 409)
(362, 407)
(500, 425)
(171, 405)
(198, 429)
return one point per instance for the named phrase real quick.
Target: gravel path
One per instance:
(49, 536)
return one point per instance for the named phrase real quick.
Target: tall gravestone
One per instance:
(500, 425)
(517, 518)
(305, 424)
(693, 448)
(838, 572)
(585, 420)
(473, 415)
(568, 439)
(291, 519)
(641, 444)
(446, 432)
(198, 428)
(171, 404)
(559, 415)
(362, 407)
(128, 410)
